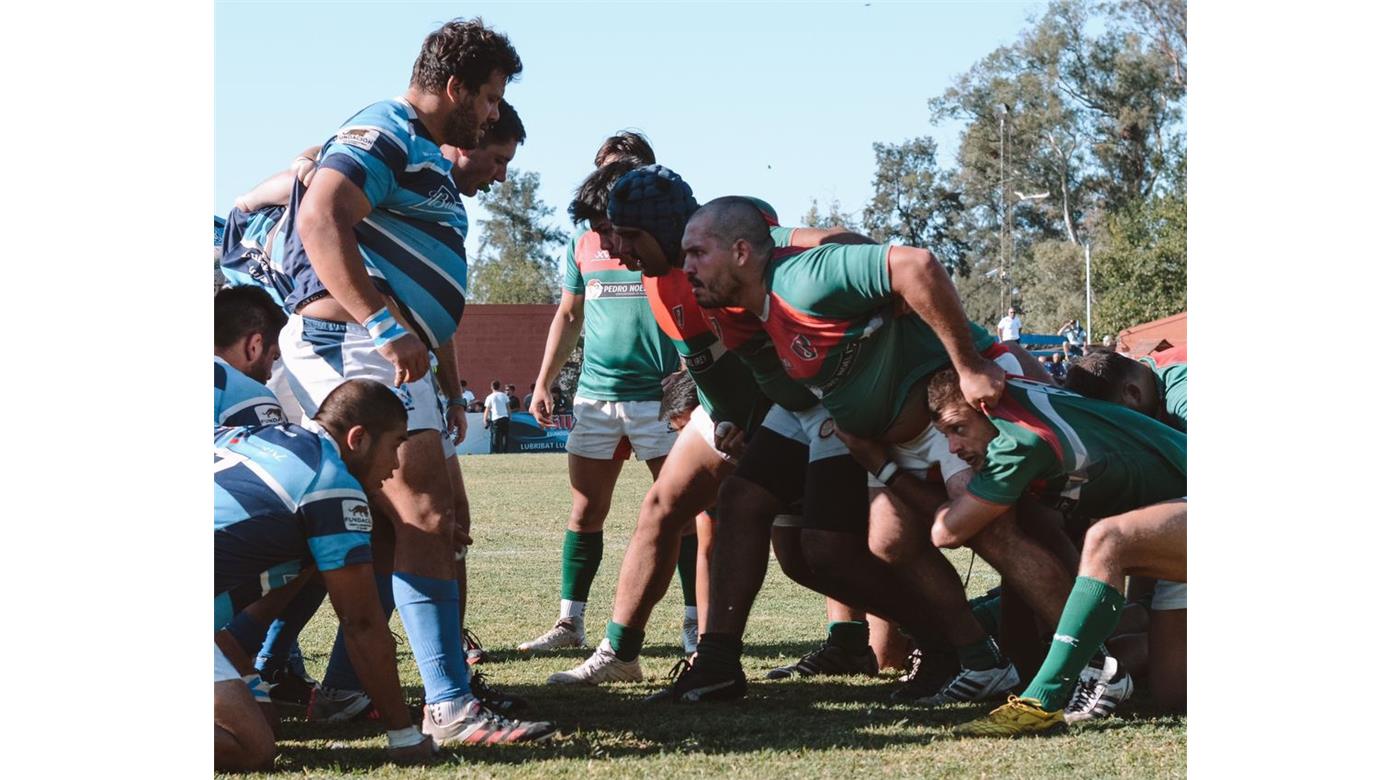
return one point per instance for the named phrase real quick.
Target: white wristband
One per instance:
(887, 472)
(408, 736)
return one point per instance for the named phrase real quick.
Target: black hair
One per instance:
(678, 395)
(735, 217)
(245, 309)
(363, 402)
(1099, 374)
(505, 129)
(590, 202)
(628, 143)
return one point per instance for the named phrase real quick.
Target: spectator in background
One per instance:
(1009, 329)
(1057, 368)
(496, 415)
(562, 405)
(1075, 338)
(468, 396)
(1108, 341)
(513, 400)
(1044, 362)
(530, 395)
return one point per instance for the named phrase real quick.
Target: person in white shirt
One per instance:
(1009, 329)
(496, 415)
(1075, 337)
(468, 395)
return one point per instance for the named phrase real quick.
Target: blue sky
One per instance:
(778, 100)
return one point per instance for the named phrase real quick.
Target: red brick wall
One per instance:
(502, 341)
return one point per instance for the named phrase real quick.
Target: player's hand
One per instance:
(409, 356)
(729, 439)
(542, 408)
(456, 423)
(420, 753)
(869, 453)
(982, 383)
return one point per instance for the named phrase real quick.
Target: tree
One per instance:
(1139, 268)
(516, 257)
(1052, 290)
(833, 218)
(914, 203)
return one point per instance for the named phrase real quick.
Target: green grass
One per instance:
(806, 728)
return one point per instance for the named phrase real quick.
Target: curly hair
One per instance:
(944, 391)
(627, 143)
(471, 51)
(590, 201)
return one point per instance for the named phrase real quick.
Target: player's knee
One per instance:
(1104, 541)
(787, 546)
(826, 553)
(892, 548)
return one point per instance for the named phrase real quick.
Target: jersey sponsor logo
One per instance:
(356, 514)
(597, 289)
(802, 347)
(359, 137)
(276, 455)
(827, 428)
(269, 413)
(843, 367)
(714, 326)
(699, 362)
(1067, 639)
(441, 198)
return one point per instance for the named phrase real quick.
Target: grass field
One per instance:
(808, 728)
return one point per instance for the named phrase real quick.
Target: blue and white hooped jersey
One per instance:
(283, 501)
(253, 250)
(242, 400)
(414, 240)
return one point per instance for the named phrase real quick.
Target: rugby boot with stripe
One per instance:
(472, 723)
(829, 660)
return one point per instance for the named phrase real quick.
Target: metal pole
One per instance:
(1088, 299)
(1001, 269)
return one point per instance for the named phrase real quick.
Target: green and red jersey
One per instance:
(839, 329)
(1170, 367)
(1100, 458)
(625, 353)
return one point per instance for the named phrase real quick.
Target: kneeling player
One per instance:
(1094, 460)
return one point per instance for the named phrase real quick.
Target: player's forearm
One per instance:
(918, 277)
(447, 376)
(564, 331)
(275, 190)
(329, 237)
(372, 655)
(961, 519)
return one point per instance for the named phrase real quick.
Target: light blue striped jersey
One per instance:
(242, 400)
(283, 502)
(253, 250)
(413, 241)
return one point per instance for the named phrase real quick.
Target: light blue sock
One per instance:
(428, 608)
(282, 634)
(340, 673)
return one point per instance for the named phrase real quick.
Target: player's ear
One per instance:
(456, 90)
(743, 250)
(357, 438)
(253, 346)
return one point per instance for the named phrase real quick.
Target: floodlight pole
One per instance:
(1001, 160)
(1088, 299)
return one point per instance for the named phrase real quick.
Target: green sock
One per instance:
(583, 554)
(988, 613)
(1090, 615)
(980, 655)
(626, 642)
(853, 636)
(685, 567)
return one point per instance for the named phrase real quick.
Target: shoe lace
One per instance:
(679, 670)
(472, 642)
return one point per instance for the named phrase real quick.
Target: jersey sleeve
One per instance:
(782, 236)
(369, 156)
(1173, 379)
(240, 400)
(839, 280)
(1015, 459)
(569, 270)
(335, 515)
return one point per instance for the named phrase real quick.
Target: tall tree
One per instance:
(1139, 267)
(914, 203)
(834, 217)
(516, 257)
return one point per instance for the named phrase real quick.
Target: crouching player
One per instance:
(1095, 461)
(285, 496)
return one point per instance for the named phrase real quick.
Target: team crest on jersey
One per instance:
(593, 290)
(678, 314)
(359, 137)
(827, 428)
(714, 326)
(356, 514)
(269, 414)
(802, 347)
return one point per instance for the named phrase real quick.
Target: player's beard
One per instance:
(463, 129)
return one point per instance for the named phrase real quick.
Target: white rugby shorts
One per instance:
(610, 430)
(703, 426)
(223, 668)
(812, 428)
(320, 355)
(930, 447)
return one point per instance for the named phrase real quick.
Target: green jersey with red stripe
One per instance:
(839, 329)
(1101, 458)
(625, 354)
(1170, 367)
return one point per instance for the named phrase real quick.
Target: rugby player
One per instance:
(378, 262)
(832, 316)
(616, 406)
(246, 324)
(1155, 386)
(283, 495)
(1099, 463)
